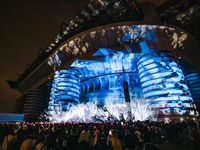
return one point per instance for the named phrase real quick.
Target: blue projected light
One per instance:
(65, 89)
(163, 82)
(160, 77)
(86, 79)
(193, 80)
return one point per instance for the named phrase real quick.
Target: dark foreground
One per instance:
(96, 136)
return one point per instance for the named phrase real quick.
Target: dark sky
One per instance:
(25, 27)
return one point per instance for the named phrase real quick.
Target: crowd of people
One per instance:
(95, 136)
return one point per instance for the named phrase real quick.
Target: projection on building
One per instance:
(155, 77)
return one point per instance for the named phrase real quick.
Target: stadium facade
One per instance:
(117, 51)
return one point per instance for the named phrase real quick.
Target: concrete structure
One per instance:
(119, 25)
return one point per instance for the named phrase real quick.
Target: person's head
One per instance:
(150, 146)
(84, 145)
(136, 128)
(10, 131)
(127, 131)
(85, 128)
(28, 144)
(114, 134)
(193, 125)
(11, 139)
(96, 127)
(131, 141)
(41, 138)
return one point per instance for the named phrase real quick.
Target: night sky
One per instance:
(25, 27)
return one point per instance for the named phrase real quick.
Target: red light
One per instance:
(175, 11)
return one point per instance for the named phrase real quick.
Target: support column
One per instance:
(65, 90)
(193, 80)
(35, 103)
(164, 84)
(192, 76)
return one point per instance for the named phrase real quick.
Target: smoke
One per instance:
(91, 111)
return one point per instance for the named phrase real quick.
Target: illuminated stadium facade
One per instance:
(124, 55)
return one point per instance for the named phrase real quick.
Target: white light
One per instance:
(52, 44)
(167, 120)
(86, 112)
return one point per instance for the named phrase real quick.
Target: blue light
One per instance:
(193, 80)
(101, 79)
(86, 78)
(163, 81)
